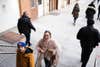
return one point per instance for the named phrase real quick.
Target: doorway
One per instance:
(53, 5)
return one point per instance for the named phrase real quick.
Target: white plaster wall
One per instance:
(46, 7)
(9, 14)
(60, 4)
(40, 10)
(63, 3)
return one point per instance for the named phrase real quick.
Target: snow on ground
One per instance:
(64, 33)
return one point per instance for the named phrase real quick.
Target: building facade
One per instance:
(11, 10)
(9, 13)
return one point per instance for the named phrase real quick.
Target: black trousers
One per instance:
(47, 62)
(98, 15)
(27, 35)
(75, 18)
(86, 52)
(98, 1)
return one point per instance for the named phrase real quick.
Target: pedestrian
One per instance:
(98, 18)
(75, 12)
(47, 50)
(24, 27)
(24, 56)
(89, 38)
(90, 11)
(98, 1)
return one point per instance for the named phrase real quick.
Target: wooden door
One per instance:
(53, 5)
(26, 5)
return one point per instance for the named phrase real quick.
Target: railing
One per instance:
(7, 46)
(8, 52)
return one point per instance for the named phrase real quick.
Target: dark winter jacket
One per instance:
(88, 36)
(90, 12)
(24, 25)
(75, 11)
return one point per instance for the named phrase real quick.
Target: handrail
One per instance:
(7, 46)
(7, 53)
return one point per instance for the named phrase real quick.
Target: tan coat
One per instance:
(50, 49)
(25, 60)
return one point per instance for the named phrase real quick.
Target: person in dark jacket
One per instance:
(89, 38)
(98, 1)
(75, 12)
(90, 11)
(98, 18)
(25, 26)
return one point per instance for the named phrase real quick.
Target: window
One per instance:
(39, 2)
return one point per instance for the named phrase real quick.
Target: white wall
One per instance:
(40, 9)
(59, 4)
(46, 7)
(9, 14)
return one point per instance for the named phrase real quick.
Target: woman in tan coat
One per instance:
(47, 50)
(24, 57)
